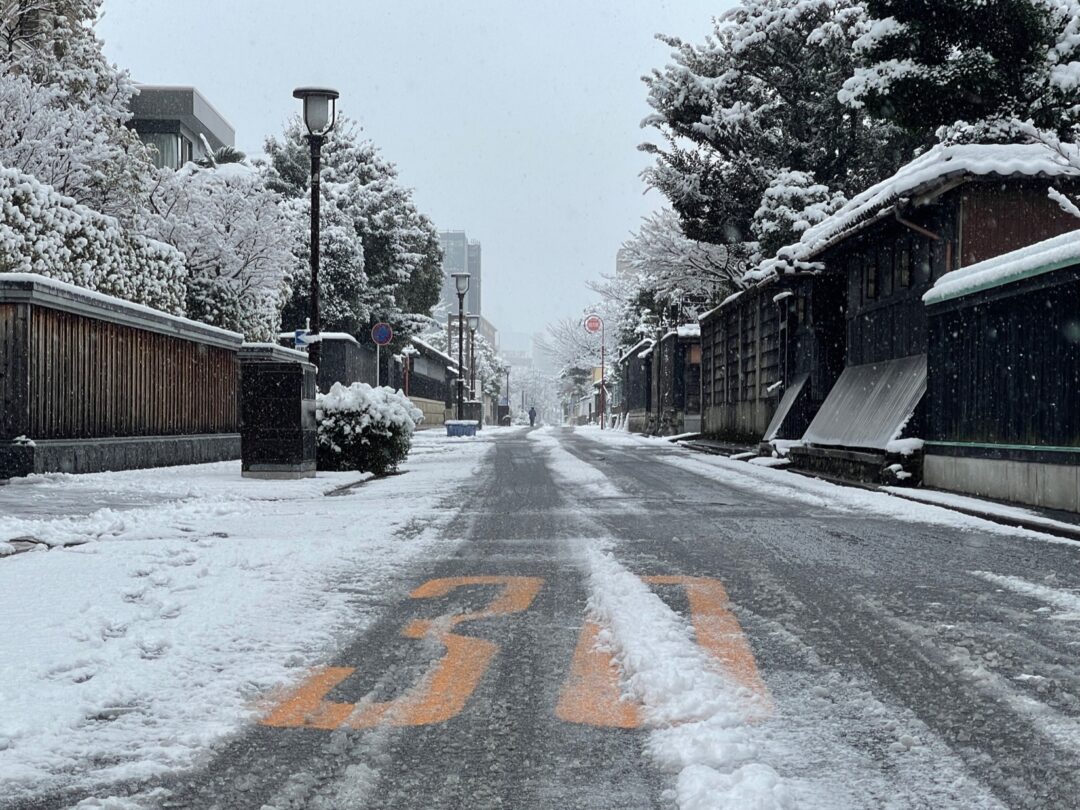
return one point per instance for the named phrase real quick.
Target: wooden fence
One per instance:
(76, 368)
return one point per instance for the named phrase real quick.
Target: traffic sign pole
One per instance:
(381, 335)
(593, 324)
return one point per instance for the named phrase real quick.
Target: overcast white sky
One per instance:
(515, 121)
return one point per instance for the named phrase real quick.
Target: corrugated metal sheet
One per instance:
(786, 401)
(869, 404)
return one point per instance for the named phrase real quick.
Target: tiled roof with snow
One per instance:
(939, 165)
(645, 343)
(734, 296)
(1042, 257)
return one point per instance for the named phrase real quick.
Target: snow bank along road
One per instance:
(607, 621)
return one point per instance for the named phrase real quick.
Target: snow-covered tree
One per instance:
(792, 203)
(667, 279)
(756, 100)
(236, 237)
(380, 256)
(63, 106)
(927, 64)
(46, 233)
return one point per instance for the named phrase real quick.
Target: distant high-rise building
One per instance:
(460, 255)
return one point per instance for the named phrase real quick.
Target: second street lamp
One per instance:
(320, 111)
(461, 285)
(474, 324)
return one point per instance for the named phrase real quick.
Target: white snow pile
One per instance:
(46, 233)
(697, 716)
(378, 410)
(905, 447)
(689, 330)
(937, 164)
(1042, 257)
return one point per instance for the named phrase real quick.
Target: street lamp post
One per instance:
(461, 284)
(320, 111)
(474, 324)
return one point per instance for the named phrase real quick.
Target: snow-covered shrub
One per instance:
(47, 233)
(364, 428)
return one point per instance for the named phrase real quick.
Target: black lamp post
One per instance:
(320, 111)
(461, 284)
(474, 324)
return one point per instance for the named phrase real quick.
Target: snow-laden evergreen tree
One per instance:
(63, 106)
(793, 202)
(928, 64)
(380, 256)
(757, 99)
(236, 235)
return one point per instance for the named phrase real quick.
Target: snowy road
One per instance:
(608, 621)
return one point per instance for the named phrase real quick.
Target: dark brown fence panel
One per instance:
(91, 378)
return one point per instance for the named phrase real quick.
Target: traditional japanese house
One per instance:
(740, 365)
(952, 207)
(1004, 377)
(676, 377)
(429, 381)
(635, 371)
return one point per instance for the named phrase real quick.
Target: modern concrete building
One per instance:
(461, 255)
(178, 122)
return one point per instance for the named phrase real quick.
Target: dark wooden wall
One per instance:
(1006, 370)
(89, 378)
(997, 217)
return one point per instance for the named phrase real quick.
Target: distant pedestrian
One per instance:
(532, 417)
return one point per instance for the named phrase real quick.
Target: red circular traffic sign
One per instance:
(382, 334)
(593, 324)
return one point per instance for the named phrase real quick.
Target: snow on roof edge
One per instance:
(938, 165)
(1046, 256)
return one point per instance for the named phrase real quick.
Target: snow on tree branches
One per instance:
(235, 236)
(982, 63)
(756, 100)
(380, 256)
(46, 233)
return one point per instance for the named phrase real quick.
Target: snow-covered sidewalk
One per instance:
(929, 507)
(191, 594)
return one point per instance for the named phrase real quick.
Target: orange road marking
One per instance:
(719, 632)
(305, 706)
(591, 695)
(441, 693)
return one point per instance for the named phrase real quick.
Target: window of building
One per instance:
(903, 266)
(165, 150)
(870, 287)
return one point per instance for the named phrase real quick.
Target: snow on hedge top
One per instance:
(379, 408)
(45, 233)
(1042, 257)
(921, 174)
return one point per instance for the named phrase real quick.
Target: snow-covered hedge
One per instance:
(364, 428)
(44, 232)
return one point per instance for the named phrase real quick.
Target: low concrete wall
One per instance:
(435, 413)
(1052, 486)
(116, 453)
(740, 421)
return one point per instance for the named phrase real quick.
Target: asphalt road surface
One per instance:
(907, 664)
